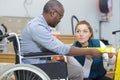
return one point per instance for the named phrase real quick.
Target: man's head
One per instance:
(53, 11)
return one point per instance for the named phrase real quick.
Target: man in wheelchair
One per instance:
(37, 38)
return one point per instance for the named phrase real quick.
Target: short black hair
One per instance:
(51, 4)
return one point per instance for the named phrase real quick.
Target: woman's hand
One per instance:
(111, 54)
(88, 57)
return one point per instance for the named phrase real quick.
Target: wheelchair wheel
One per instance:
(23, 72)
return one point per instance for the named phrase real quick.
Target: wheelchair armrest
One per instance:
(44, 55)
(32, 54)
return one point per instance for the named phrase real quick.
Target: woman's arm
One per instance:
(108, 58)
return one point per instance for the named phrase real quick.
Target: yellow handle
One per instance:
(103, 50)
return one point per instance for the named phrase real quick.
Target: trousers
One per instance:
(75, 72)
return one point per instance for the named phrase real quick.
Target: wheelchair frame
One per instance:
(13, 37)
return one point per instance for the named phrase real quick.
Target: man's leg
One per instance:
(75, 72)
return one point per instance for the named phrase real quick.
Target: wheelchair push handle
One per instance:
(3, 36)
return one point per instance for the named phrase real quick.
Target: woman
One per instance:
(93, 68)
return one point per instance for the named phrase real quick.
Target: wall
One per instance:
(83, 9)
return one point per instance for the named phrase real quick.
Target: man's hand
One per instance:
(95, 53)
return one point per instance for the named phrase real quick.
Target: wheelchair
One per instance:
(51, 70)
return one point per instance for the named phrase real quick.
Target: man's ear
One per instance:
(52, 12)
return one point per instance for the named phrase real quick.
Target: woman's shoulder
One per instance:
(94, 42)
(97, 40)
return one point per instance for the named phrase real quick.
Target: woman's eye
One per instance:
(77, 31)
(86, 31)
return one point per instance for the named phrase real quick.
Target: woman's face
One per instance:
(82, 34)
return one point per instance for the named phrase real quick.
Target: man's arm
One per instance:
(75, 51)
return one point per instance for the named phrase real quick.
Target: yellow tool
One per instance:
(103, 50)
(117, 70)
